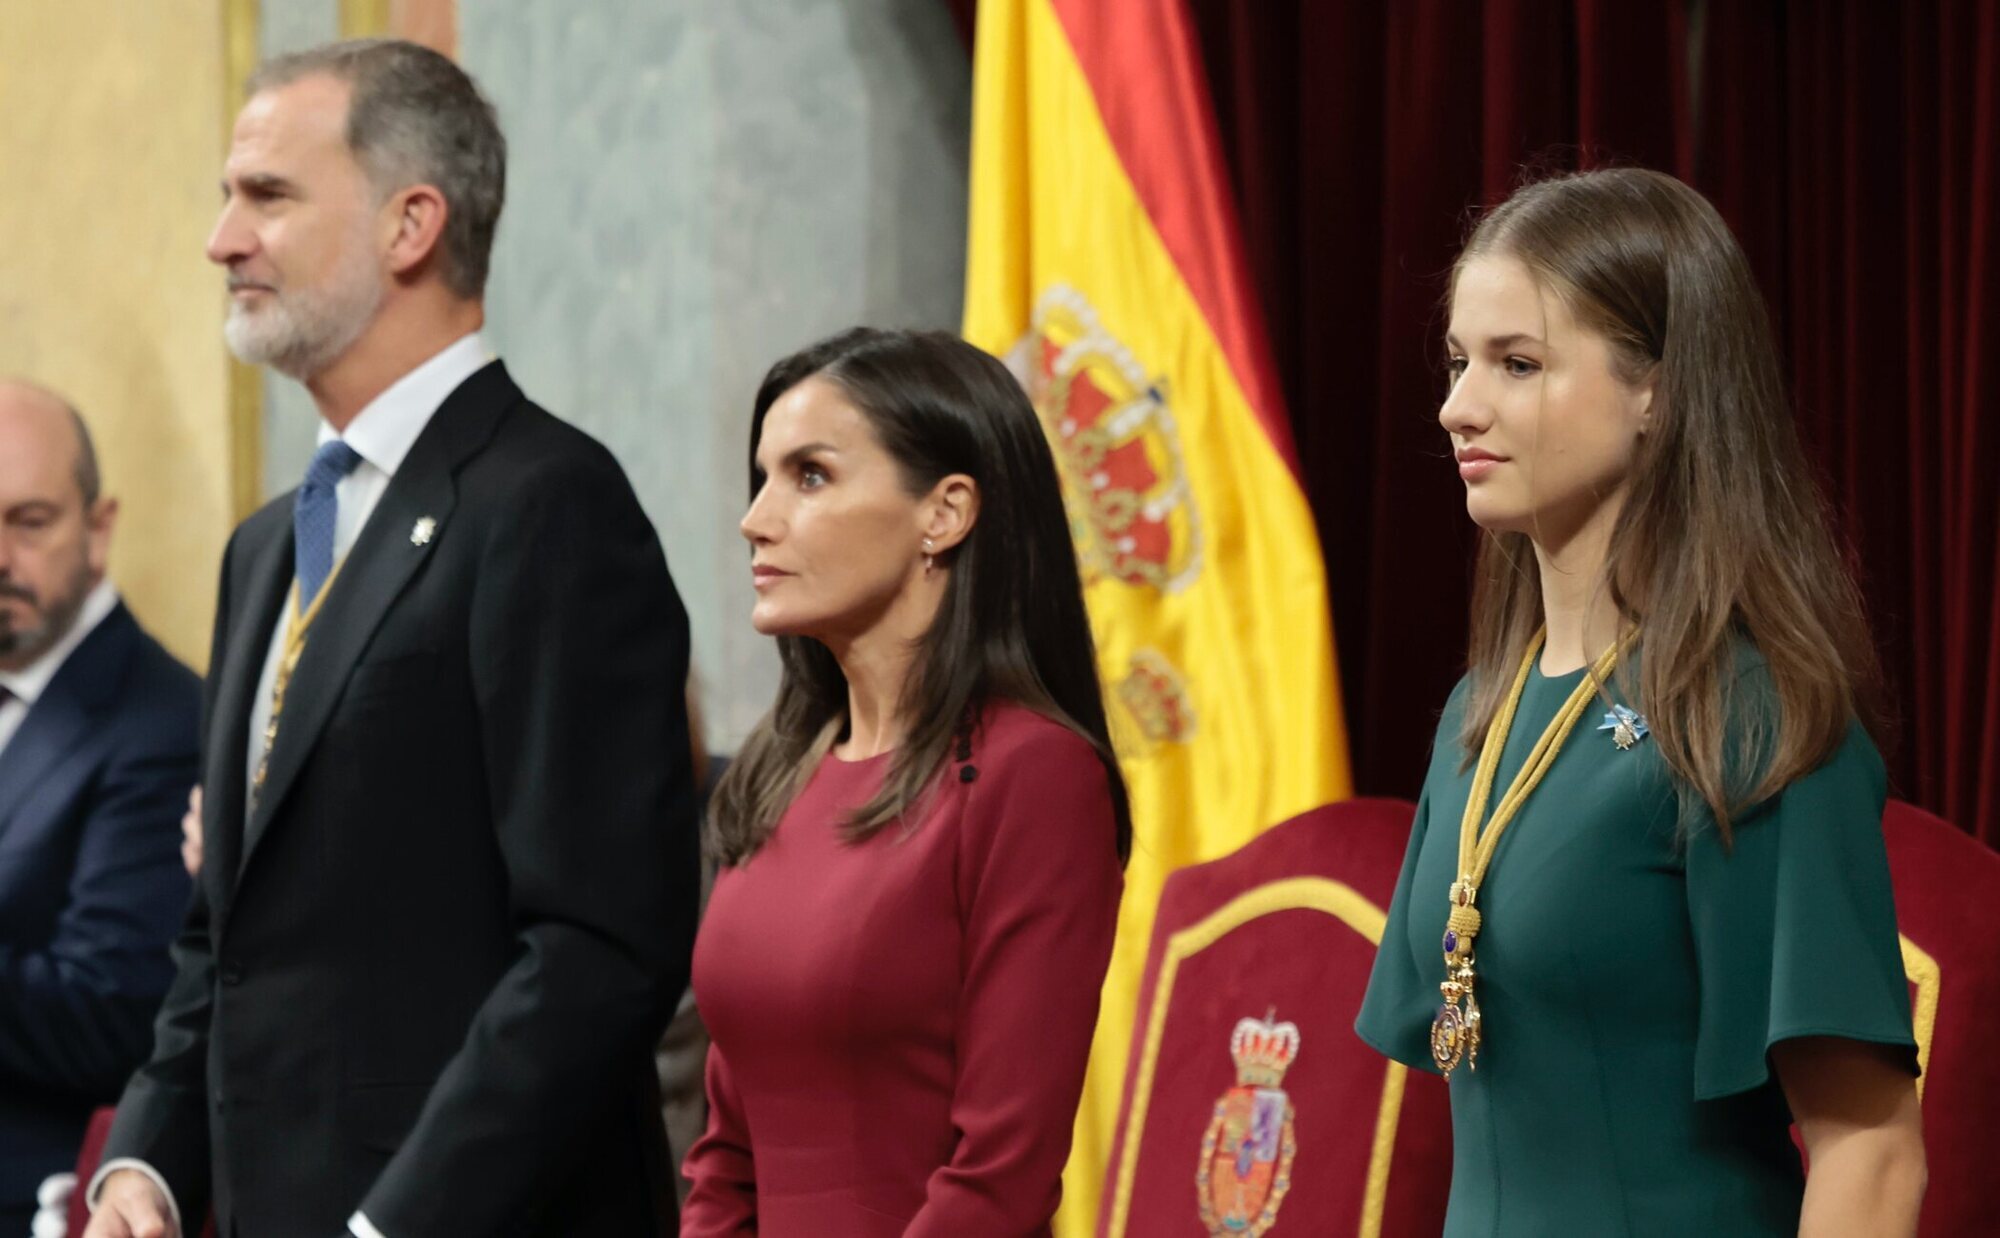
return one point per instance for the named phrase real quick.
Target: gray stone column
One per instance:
(695, 189)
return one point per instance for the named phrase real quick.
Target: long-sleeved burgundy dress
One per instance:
(900, 1026)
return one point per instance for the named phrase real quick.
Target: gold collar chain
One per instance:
(297, 624)
(1455, 1032)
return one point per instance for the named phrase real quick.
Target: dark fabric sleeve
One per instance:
(1039, 883)
(722, 1202)
(1795, 926)
(1395, 1018)
(76, 1012)
(163, 1116)
(579, 659)
(1402, 996)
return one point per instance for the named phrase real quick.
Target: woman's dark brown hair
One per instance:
(1724, 535)
(1011, 625)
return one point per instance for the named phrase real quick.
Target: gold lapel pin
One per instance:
(420, 532)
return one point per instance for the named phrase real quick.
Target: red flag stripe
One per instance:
(1145, 71)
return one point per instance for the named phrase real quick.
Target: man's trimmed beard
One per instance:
(54, 616)
(300, 331)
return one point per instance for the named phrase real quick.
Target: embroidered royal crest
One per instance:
(1117, 447)
(1247, 1151)
(1156, 696)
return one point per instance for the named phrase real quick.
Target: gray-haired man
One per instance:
(450, 879)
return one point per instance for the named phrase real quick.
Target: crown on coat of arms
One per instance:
(1264, 1050)
(1155, 693)
(1117, 447)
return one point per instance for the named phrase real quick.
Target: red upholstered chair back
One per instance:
(1947, 889)
(1285, 927)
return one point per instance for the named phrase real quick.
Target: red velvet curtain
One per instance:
(1855, 147)
(1360, 135)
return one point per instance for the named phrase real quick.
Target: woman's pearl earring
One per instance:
(930, 556)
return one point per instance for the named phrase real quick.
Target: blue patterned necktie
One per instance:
(313, 516)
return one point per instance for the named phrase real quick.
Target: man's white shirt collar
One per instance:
(384, 431)
(29, 683)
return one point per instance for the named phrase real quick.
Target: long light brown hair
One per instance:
(1011, 625)
(1724, 535)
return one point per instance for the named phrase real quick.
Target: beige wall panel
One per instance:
(109, 155)
(433, 23)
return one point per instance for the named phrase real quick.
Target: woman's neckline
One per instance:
(1559, 677)
(833, 754)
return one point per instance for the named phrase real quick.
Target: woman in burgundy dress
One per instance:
(922, 842)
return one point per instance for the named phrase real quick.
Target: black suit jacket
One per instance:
(424, 973)
(92, 787)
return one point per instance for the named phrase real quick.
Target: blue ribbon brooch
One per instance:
(1627, 727)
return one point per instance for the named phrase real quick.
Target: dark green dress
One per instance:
(1632, 980)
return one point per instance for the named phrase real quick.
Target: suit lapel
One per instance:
(54, 725)
(60, 717)
(384, 558)
(268, 581)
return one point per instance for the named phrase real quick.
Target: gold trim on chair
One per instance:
(1375, 1202)
(1924, 972)
(1291, 894)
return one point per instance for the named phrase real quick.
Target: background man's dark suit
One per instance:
(424, 976)
(91, 891)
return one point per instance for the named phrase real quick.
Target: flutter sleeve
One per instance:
(1402, 994)
(1396, 1011)
(1795, 926)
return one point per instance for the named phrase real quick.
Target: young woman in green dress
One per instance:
(1645, 920)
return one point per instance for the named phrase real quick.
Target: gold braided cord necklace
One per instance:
(1455, 1032)
(297, 624)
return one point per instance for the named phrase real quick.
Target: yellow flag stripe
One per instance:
(1214, 639)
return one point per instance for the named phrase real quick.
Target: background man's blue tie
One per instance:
(312, 517)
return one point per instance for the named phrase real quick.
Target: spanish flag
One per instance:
(1105, 265)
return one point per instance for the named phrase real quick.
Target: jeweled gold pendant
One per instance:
(1448, 1037)
(1455, 1029)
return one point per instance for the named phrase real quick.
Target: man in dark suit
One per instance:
(450, 880)
(98, 733)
